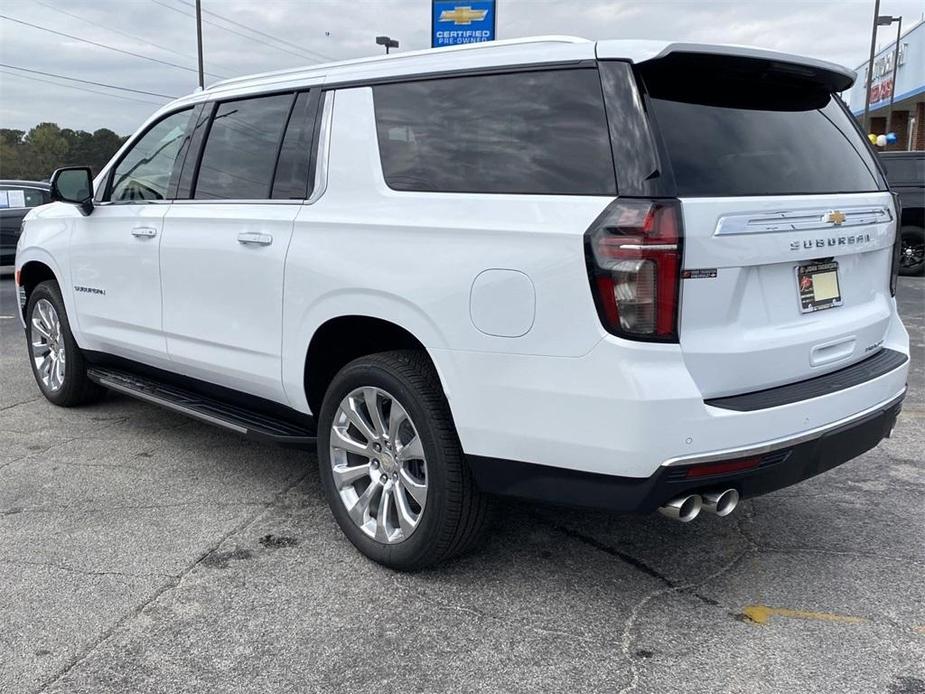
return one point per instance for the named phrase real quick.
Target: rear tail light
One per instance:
(897, 246)
(634, 261)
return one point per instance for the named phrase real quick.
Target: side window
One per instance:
(241, 149)
(542, 132)
(14, 196)
(293, 170)
(145, 171)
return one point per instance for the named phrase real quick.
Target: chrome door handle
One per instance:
(144, 232)
(253, 238)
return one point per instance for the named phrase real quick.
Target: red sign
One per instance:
(881, 90)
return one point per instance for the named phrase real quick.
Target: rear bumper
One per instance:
(781, 463)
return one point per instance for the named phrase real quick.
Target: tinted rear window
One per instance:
(534, 132)
(742, 132)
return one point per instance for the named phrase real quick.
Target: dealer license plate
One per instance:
(817, 284)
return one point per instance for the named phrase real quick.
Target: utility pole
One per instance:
(899, 29)
(870, 68)
(199, 39)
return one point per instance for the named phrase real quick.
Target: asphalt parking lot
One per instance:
(142, 551)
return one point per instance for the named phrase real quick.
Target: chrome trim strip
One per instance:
(800, 220)
(783, 442)
(260, 201)
(650, 246)
(141, 395)
(324, 150)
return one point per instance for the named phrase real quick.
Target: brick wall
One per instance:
(878, 125)
(899, 125)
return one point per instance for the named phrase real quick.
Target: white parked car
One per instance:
(628, 275)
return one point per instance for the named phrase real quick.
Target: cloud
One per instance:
(836, 30)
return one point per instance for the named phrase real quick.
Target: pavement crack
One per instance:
(479, 614)
(84, 572)
(19, 404)
(133, 507)
(627, 639)
(175, 582)
(32, 454)
(635, 562)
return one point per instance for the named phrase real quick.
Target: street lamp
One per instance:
(387, 42)
(886, 20)
(870, 67)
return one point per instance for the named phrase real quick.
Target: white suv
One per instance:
(628, 275)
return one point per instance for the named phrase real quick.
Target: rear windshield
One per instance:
(738, 131)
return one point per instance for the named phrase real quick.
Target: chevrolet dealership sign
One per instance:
(457, 21)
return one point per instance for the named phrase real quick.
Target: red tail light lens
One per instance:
(634, 261)
(704, 470)
(897, 245)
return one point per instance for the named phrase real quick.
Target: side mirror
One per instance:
(73, 184)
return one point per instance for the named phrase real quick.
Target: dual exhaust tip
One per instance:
(687, 507)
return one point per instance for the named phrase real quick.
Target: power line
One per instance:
(232, 31)
(115, 30)
(98, 84)
(74, 86)
(100, 45)
(257, 31)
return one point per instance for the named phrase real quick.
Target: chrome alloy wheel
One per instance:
(48, 351)
(378, 464)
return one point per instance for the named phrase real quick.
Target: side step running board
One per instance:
(206, 409)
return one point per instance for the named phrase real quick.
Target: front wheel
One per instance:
(392, 466)
(57, 363)
(912, 253)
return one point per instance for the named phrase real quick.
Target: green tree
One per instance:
(49, 147)
(36, 154)
(12, 152)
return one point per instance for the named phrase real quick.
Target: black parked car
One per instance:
(905, 172)
(16, 197)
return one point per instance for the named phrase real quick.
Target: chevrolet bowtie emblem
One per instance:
(836, 217)
(462, 15)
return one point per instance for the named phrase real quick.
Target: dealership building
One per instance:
(908, 120)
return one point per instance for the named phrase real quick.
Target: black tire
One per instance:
(76, 388)
(456, 512)
(913, 238)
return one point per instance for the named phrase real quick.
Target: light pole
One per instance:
(388, 42)
(199, 40)
(899, 28)
(870, 67)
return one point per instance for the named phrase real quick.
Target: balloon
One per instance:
(891, 138)
(881, 140)
(872, 138)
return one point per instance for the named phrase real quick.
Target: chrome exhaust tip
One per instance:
(721, 503)
(683, 508)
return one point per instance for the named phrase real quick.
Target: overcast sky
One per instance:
(318, 30)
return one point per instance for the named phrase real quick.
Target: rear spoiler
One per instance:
(832, 76)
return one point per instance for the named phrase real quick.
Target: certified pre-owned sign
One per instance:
(457, 21)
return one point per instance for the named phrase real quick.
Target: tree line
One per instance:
(34, 155)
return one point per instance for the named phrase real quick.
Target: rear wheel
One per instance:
(392, 466)
(57, 363)
(912, 253)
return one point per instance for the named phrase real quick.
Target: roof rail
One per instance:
(395, 57)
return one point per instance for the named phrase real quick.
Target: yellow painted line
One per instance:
(760, 614)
